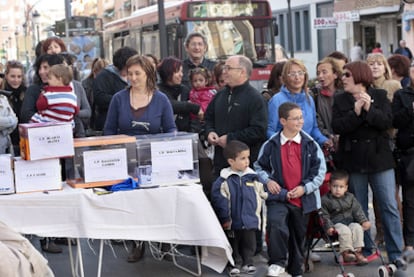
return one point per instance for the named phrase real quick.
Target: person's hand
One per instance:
(296, 192)
(358, 106)
(328, 144)
(213, 138)
(367, 100)
(273, 187)
(200, 115)
(222, 141)
(226, 225)
(330, 231)
(366, 225)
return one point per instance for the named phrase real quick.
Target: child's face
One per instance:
(338, 187)
(52, 80)
(294, 122)
(242, 161)
(198, 81)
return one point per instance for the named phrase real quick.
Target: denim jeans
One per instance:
(383, 187)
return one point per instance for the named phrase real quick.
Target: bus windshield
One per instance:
(225, 38)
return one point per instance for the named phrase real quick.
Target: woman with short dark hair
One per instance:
(362, 116)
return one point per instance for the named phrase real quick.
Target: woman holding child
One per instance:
(361, 116)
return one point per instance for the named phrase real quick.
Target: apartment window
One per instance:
(301, 29)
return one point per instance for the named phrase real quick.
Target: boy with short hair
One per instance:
(57, 102)
(342, 212)
(236, 198)
(293, 167)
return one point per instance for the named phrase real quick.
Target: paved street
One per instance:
(150, 266)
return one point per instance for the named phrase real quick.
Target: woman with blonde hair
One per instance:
(294, 89)
(382, 74)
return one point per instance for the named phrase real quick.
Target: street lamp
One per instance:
(16, 34)
(36, 19)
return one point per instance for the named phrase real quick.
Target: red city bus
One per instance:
(231, 27)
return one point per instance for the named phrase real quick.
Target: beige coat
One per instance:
(18, 257)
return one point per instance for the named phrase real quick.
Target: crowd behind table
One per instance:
(360, 112)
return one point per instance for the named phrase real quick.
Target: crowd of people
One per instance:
(268, 146)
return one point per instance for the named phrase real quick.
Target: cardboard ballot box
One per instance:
(45, 140)
(6, 174)
(167, 159)
(40, 175)
(101, 161)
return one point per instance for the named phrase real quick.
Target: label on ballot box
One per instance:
(101, 161)
(46, 140)
(6, 174)
(40, 175)
(105, 165)
(167, 159)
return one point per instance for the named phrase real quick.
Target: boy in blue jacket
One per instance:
(292, 166)
(237, 199)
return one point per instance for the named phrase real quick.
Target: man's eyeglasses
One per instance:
(228, 68)
(296, 74)
(347, 74)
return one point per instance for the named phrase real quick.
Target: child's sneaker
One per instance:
(400, 263)
(275, 270)
(234, 271)
(249, 269)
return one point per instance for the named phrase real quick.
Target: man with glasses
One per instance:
(196, 47)
(237, 112)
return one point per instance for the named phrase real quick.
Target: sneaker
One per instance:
(275, 270)
(234, 271)
(249, 269)
(400, 263)
(348, 256)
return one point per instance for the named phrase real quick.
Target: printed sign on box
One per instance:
(46, 140)
(6, 174)
(38, 175)
(105, 165)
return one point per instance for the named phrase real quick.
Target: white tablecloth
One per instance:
(175, 214)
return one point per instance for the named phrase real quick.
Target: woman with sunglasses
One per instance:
(294, 89)
(362, 117)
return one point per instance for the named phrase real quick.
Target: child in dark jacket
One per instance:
(293, 167)
(236, 198)
(342, 212)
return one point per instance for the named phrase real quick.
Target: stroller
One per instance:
(316, 231)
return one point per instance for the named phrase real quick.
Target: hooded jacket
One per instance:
(237, 196)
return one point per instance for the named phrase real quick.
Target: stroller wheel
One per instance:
(383, 271)
(309, 266)
(392, 269)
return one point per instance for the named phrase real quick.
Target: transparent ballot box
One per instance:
(167, 159)
(101, 161)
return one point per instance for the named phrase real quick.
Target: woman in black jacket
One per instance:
(361, 116)
(171, 74)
